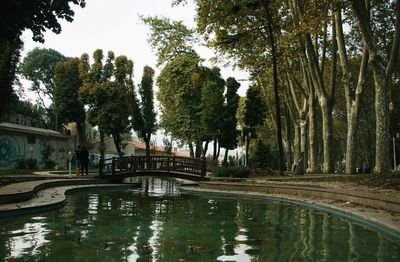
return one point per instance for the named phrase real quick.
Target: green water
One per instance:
(159, 224)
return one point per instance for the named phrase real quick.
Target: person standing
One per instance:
(77, 163)
(83, 160)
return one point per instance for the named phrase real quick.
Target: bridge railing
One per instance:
(132, 164)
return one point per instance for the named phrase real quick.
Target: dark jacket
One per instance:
(84, 155)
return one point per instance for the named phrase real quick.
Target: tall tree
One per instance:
(383, 68)
(246, 31)
(39, 67)
(212, 104)
(67, 84)
(17, 16)
(229, 130)
(92, 92)
(254, 114)
(144, 120)
(180, 98)
(169, 38)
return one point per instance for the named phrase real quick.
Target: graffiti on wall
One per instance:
(8, 152)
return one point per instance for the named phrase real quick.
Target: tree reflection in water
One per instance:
(157, 223)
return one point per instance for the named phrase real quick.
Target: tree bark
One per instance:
(313, 134)
(191, 149)
(276, 94)
(382, 76)
(205, 149)
(147, 142)
(226, 157)
(215, 149)
(247, 150)
(353, 98)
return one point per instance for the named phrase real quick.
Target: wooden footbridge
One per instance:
(118, 168)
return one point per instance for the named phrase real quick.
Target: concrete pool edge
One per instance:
(52, 198)
(388, 231)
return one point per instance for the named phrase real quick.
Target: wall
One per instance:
(16, 145)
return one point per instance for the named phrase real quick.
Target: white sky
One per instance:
(115, 26)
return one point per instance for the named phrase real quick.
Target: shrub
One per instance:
(230, 171)
(49, 164)
(29, 163)
(20, 164)
(241, 172)
(263, 156)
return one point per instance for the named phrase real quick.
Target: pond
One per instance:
(157, 223)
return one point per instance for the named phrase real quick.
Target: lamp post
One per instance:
(69, 157)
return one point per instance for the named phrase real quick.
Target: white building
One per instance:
(23, 142)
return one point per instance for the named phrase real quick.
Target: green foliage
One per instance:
(254, 111)
(67, 84)
(39, 67)
(229, 123)
(108, 101)
(144, 115)
(212, 106)
(36, 113)
(169, 38)
(229, 171)
(23, 164)
(9, 58)
(37, 15)
(46, 149)
(263, 157)
(180, 97)
(49, 164)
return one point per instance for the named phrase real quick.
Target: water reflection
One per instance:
(156, 223)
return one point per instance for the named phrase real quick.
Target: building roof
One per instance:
(110, 147)
(30, 130)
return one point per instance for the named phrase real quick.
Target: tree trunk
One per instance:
(205, 149)
(327, 166)
(198, 149)
(247, 151)
(226, 157)
(147, 142)
(382, 155)
(117, 143)
(297, 146)
(353, 99)
(382, 75)
(304, 140)
(276, 94)
(289, 151)
(313, 134)
(218, 151)
(215, 149)
(191, 149)
(102, 144)
(81, 133)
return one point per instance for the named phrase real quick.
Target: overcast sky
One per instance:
(115, 26)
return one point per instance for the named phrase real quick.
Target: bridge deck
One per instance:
(180, 167)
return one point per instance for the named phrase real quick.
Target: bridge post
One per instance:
(203, 167)
(101, 166)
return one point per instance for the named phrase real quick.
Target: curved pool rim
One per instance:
(61, 203)
(386, 231)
